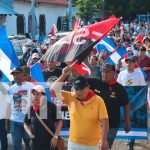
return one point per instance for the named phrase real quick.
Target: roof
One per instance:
(6, 9)
(58, 2)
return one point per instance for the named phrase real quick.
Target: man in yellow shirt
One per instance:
(88, 115)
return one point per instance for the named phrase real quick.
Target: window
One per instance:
(20, 24)
(42, 23)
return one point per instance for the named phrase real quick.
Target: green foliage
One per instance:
(128, 9)
(88, 8)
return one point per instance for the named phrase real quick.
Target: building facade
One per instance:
(48, 12)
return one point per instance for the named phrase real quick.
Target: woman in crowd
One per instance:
(41, 138)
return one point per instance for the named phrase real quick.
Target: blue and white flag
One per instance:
(36, 74)
(116, 56)
(8, 58)
(106, 44)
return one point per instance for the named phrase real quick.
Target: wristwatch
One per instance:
(56, 136)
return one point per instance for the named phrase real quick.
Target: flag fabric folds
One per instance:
(106, 44)
(116, 56)
(36, 74)
(139, 39)
(54, 30)
(8, 58)
(69, 47)
(82, 68)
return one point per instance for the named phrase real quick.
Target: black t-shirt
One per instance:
(42, 137)
(52, 75)
(114, 97)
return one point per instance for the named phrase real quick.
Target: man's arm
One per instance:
(8, 114)
(28, 130)
(105, 128)
(55, 89)
(55, 137)
(127, 117)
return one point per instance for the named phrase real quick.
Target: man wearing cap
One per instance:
(115, 97)
(88, 115)
(130, 76)
(3, 99)
(41, 138)
(20, 99)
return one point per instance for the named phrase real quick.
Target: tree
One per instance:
(128, 9)
(88, 8)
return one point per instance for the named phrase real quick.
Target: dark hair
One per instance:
(142, 48)
(95, 57)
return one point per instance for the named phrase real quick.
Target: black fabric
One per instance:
(42, 137)
(52, 75)
(113, 99)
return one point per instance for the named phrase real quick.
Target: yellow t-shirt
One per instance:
(85, 128)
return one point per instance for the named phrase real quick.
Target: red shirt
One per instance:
(145, 63)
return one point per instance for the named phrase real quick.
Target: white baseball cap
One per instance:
(38, 88)
(35, 55)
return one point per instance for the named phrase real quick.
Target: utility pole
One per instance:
(70, 14)
(33, 19)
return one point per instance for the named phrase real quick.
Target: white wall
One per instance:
(52, 12)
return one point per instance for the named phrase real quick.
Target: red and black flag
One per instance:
(78, 44)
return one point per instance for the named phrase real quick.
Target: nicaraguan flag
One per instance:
(8, 58)
(116, 56)
(36, 74)
(106, 44)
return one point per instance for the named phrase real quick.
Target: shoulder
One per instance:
(29, 85)
(11, 88)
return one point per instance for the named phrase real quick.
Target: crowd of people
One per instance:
(93, 100)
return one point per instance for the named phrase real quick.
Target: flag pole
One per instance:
(33, 19)
(70, 15)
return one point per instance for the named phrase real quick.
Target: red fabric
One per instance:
(76, 25)
(112, 16)
(35, 107)
(100, 29)
(139, 39)
(54, 30)
(82, 68)
(89, 96)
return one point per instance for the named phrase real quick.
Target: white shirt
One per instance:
(3, 98)
(135, 78)
(20, 99)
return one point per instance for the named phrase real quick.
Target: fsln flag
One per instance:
(36, 74)
(54, 30)
(82, 68)
(116, 56)
(69, 47)
(106, 44)
(8, 58)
